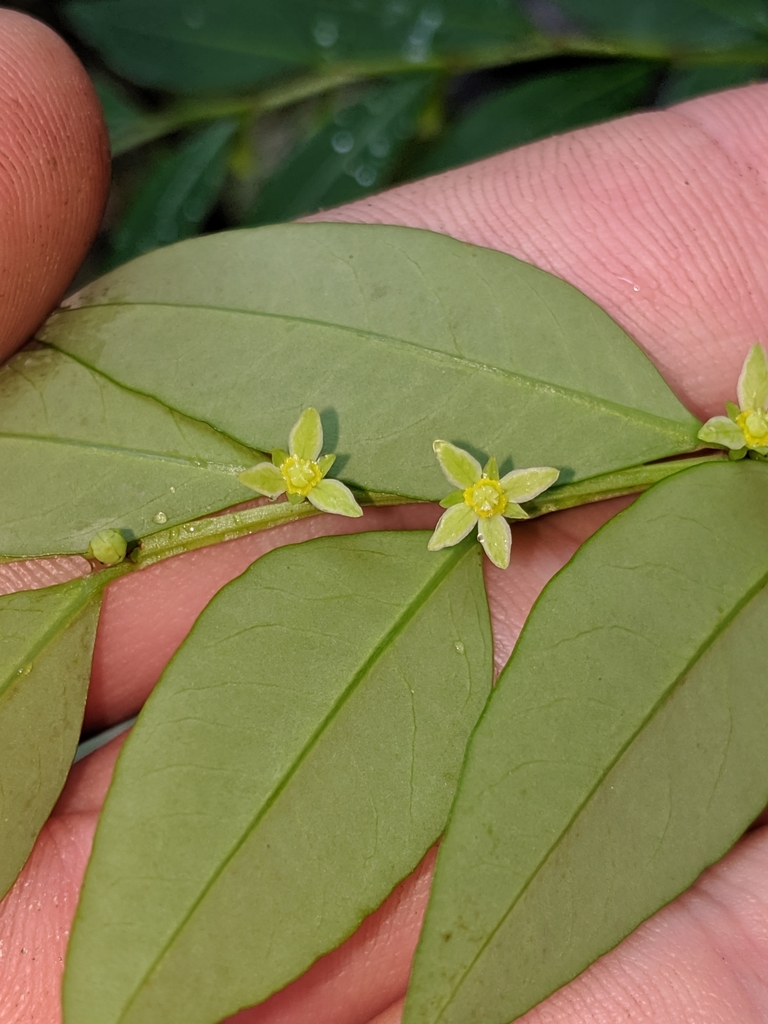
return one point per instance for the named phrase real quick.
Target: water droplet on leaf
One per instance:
(365, 175)
(380, 147)
(194, 17)
(325, 32)
(160, 517)
(342, 142)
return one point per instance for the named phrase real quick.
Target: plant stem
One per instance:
(536, 47)
(203, 532)
(612, 485)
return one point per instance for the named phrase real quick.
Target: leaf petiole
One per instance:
(613, 485)
(213, 530)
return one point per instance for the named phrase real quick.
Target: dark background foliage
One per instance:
(227, 113)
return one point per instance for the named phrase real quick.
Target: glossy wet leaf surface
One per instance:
(350, 157)
(211, 45)
(685, 82)
(296, 761)
(79, 454)
(396, 336)
(46, 644)
(177, 195)
(682, 25)
(622, 751)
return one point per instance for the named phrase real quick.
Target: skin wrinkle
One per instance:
(53, 172)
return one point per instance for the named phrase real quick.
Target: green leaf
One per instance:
(752, 14)
(684, 83)
(46, 643)
(352, 156)
(201, 46)
(656, 26)
(295, 762)
(396, 336)
(178, 195)
(541, 106)
(622, 751)
(79, 454)
(129, 126)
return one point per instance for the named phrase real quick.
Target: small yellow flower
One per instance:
(300, 472)
(745, 428)
(484, 500)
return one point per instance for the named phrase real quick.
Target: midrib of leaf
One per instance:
(698, 654)
(68, 614)
(159, 456)
(673, 428)
(381, 647)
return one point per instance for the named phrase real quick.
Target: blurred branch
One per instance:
(185, 112)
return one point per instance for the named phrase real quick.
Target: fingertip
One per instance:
(54, 172)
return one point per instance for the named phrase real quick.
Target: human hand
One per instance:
(657, 217)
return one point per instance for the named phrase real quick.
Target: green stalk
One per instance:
(202, 532)
(193, 111)
(612, 485)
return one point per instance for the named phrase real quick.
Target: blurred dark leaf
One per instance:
(657, 25)
(753, 14)
(541, 107)
(201, 46)
(178, 195)
(129, 126)
(685, 83)
(351, 156)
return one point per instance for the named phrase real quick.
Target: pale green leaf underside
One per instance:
(46, 643)
(297, 759)
(396, 336)
(622, 751)
(79, 455)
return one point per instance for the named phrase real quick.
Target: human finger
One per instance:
(54, 172)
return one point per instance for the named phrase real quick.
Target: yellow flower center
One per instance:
(754, 427)
(486, 498)
(300, 475)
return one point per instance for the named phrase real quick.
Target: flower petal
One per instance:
(325, 462)
(452, 526)
(496, 537)
(263, 478)
(460, 468)
(752, 388)
(334, 496)
(525, 484)
(491, 469)
(306, 438)
(454, 498)
(514, 511)
(278, 457)
(722, 430)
